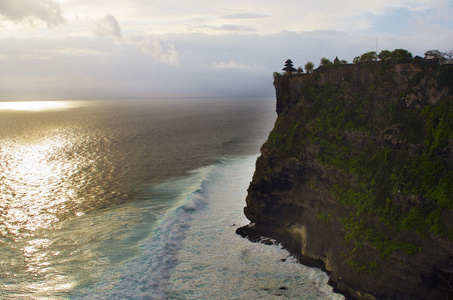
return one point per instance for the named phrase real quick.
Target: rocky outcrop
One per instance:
(357, 178)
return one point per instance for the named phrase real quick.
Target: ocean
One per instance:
(137, 199)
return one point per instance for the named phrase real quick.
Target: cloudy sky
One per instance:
(86, 49)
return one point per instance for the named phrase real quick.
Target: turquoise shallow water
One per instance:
(194, 253)
(137, 199)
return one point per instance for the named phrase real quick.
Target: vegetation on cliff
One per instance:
(407, 165)
(387, 127)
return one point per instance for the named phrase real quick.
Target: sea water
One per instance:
(137, 199)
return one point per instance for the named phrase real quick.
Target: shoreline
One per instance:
(257, 235)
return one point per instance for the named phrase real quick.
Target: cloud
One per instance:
(223, 28)
(76, 51)
(152, 39)
(232, 27)
(107, 26)
(46, 11)
(160, 50)
(245, 16)
(165, 53)
(232, 65)
(221, 65)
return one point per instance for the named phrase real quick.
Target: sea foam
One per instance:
(215, 263)
(194, 253)
(146, 276)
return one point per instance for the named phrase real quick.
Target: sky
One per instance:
(85, 49)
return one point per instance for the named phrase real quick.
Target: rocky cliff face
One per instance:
(357, 177)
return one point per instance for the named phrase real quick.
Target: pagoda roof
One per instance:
(289, 69)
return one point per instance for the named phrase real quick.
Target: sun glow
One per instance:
(45, 179)
(33, 105)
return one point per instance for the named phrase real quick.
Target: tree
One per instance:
(299, 70)
(325, 62)
(401, 56)
(368, 56)
(385, 54)
(396, 56)
(309, 66)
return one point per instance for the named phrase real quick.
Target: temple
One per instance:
(289, 68)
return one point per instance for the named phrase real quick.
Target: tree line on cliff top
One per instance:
(396, 56)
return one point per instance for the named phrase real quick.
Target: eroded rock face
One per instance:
(346, 179)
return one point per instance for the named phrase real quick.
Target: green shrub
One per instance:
(381, 173)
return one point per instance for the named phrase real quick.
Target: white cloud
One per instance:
(245, 16)
(231, 64)
(160, 51)
(76, 51)
(220, 47)
(107, 26)
(225, 28)
(221, 65)
(46, 11)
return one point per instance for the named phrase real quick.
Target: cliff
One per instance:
(357, 178)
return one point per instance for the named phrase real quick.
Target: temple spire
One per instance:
(289, 67)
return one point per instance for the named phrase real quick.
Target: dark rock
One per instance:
(294, 198)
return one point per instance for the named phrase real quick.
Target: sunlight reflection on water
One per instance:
(46, 178)
(76, 196)
(37, 105)
(36, 184)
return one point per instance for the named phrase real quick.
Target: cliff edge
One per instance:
(357, 178)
